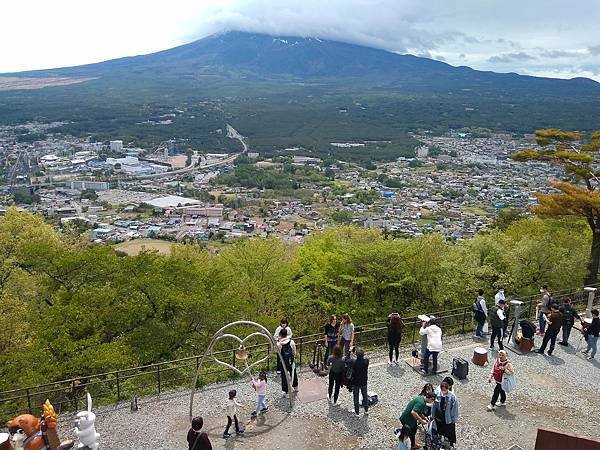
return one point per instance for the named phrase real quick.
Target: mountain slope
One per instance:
(291, 58)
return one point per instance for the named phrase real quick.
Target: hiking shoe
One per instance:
(396, 362)
(240, 432)
(337, 404)
(491, 408)
(265, 409)
(590, 357)
(422, 372)
(366, 413)
(254, 414)
(502, 404)
(357, 414)
(491, 349)
(226, 435)
(390, 363)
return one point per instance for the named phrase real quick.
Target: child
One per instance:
(198, 440)
(403, 435)
(260, 387)
(232, 405)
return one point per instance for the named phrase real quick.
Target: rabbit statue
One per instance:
(85, 428)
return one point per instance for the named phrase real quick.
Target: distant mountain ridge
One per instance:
(289, 58)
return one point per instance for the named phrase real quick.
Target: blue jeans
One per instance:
(345, 344)
(592, 344)
(479, 329)
(261, 402)
(425, 361)
(541, 322)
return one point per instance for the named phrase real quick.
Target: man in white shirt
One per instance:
(434, 344)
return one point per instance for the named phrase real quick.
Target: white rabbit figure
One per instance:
(85, 428)
(18, 439)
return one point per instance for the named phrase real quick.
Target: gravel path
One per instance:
(558, 392)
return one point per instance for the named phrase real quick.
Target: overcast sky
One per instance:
(553, 38)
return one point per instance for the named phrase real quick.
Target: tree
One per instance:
(579, 193)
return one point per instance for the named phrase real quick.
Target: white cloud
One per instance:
(551, 34)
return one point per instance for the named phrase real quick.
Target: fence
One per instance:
(120, 385)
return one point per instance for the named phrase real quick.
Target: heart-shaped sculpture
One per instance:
(242, 354)
(248, 367)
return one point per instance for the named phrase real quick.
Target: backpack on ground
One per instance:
(460, 368)
(372, 398)
(317, 365)
(527, 329)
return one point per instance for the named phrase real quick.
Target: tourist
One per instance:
(569, 314)
(554, 322)
(499, 295)
(501, 367)
(198, 440)
(427, 388)
(394, 335)
(591, 335)
(543, 308)
(414, 414)
(232, 406)
(445, 412)
(260, 387)
(450, 382)
(287, 348)
(330, 338)
(283, 325)
(346, 334)
(479, 314)
(337, 366)
(403, 435)
(360, 375)
(496, 318)
(434, 344)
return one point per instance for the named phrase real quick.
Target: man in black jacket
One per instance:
(360, 375)
(569, 314)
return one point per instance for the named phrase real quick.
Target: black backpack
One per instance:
(287, 355)
(527, 329)
(460, 368)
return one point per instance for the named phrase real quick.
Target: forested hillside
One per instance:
(69, 309)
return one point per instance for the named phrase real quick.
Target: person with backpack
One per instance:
(445, 412)
(346, 334)
(360, 376)
(394, 335)
(287, 349)
(501, 367)
(543, 308)
(569, 314)
(330, 339)
(283, 325)
(337, 366)
(198, 440)
(591, 332)
(434, 344)
(554, 321)
(479, 314)
(496, 318)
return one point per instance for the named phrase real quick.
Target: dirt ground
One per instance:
(135, 246)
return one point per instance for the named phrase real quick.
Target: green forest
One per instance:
(71, 309)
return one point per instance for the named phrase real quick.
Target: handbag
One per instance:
(508, 383)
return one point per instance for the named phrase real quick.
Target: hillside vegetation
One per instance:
(70, 309)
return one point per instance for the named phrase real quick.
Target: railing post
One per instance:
(197, 362)
(301, 341)
(233, 358)
(118, 388)
(464, 320)
(529, 309)
(158, 377)
(28, 401)
(413, 333)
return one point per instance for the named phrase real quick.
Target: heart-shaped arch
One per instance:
(219, 335)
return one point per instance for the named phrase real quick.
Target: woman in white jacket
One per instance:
(434, 344)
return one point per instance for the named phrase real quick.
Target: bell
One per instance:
(241, 353)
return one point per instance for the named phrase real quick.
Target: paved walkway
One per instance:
(558, 392)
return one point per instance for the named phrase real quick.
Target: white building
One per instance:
(93, 185)
(422, 151)
(116, 146)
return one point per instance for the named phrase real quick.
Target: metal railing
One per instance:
(121, 385)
